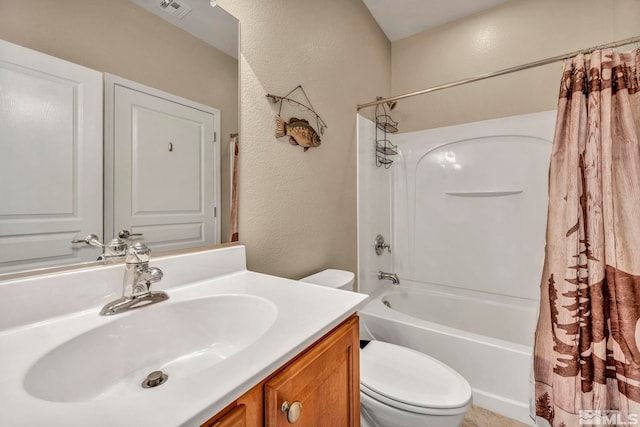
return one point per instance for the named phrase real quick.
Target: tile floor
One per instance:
(480, 417)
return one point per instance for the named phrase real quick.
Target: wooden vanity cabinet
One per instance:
(322, 382)
(325, 380)
(237, 417)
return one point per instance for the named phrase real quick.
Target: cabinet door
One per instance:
(235, 418)
(325, 380)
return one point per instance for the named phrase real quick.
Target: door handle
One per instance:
(125, 234)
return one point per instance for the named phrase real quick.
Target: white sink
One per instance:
(222, 331)
(180, 338)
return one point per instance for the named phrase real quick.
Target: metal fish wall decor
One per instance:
(299, 132)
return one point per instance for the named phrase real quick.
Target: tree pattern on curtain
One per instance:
(587, 347)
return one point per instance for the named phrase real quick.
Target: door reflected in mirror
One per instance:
(134, 39)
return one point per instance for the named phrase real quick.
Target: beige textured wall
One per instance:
(120, 38)
(514, 33)
(298, 210)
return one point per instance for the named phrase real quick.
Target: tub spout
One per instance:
(389, 276)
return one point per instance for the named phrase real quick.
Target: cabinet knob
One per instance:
(293, 410)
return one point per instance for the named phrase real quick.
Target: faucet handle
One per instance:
(379, 245)
(138, 254)
(155, 274)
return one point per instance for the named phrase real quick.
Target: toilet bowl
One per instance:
(399, 386)
(404, 387)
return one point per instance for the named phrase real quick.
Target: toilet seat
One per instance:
(410, 380)
(422, 410)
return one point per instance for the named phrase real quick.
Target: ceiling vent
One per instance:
(175, 8)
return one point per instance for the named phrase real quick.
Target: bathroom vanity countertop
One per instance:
(305, 313)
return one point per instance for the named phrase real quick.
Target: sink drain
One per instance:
(385, 302)
(154, 379)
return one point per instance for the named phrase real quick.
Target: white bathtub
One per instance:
(486, 338)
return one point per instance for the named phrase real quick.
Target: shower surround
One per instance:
(466, 221)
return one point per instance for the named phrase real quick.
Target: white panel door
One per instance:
(50, 159)
(166, 174)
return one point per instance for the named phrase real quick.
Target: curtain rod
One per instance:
(501, 72)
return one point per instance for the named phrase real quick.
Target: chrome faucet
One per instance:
(389, 276)
(136, 286)
(116, 248)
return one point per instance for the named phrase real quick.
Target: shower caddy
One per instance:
(384, 126)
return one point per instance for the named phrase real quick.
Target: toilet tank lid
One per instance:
(331, 278)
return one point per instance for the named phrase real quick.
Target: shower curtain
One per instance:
(587, 345)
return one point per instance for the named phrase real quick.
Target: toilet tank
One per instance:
(339, 279)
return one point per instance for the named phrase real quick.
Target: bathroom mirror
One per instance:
(188, 48)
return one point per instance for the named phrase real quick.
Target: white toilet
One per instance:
(401, 387)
